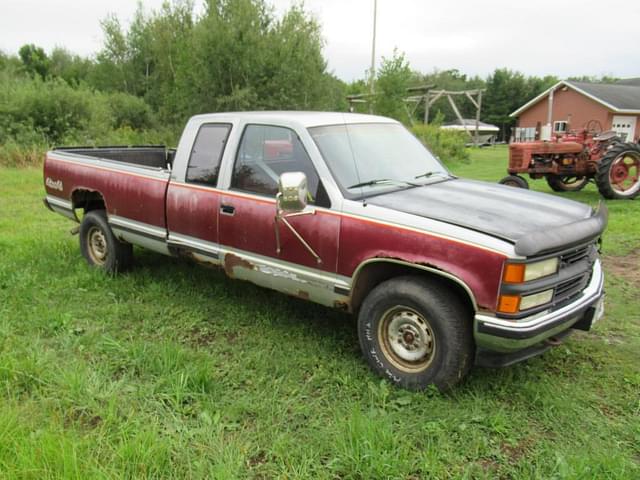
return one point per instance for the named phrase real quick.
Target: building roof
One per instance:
(621, 97)
(629, 81)
(469, 124)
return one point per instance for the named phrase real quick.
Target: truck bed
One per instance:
(155, 156)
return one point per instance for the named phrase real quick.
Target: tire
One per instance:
(415, 332)
(566, 183)
(515, 181)
(618, 175)
(100, 247)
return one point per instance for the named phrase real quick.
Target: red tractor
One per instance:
(571, 160)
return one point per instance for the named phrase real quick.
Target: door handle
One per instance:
(227, 209)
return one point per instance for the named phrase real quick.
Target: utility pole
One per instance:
(373, 56)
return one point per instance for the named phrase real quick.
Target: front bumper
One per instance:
(505, 336)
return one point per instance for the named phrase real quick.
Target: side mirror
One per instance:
(292, 192)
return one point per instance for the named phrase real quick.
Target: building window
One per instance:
(560, 126)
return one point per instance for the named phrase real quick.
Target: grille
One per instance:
(575, 256)
(568, 289)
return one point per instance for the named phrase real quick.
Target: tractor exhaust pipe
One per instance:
(545, 134)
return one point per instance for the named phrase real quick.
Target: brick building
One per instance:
(572, 105)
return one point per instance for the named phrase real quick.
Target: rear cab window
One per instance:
(206, 154)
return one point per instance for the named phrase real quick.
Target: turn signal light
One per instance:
(509, 303)
(514, 272)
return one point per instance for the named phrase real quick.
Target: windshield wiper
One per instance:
(429, 174)
(382, 181)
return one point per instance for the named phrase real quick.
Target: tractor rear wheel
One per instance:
(566, 183)
(618, 174)
(515, 181)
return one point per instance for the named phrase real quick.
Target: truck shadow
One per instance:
(207, 283)
(229, 303)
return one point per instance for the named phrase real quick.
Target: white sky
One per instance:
(561, 37)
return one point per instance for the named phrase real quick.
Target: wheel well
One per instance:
(87, 200)
(374, 273)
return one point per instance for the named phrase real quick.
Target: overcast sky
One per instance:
(567, 37)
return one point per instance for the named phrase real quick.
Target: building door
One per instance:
(624, 126)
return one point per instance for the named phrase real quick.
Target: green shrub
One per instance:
(448, 145)
(129, 111)
(37, 114)
(50, 108)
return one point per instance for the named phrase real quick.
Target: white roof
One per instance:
(305, 119)
(472, 128)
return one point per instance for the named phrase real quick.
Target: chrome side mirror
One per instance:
(291, 201)
(292, 192)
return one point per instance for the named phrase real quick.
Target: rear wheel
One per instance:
(514, 181)
(566, 183)
(618, 174)
(416, 332)
(100, 247)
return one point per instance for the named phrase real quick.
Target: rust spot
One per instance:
(341, 305)
(303, 295)
(232, 261)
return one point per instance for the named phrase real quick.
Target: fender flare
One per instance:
(417, 266)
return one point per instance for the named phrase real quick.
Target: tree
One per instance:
(391, 85)
(506, 91)
(35, 60)
(71, 68)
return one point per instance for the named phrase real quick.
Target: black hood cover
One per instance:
(513, 214)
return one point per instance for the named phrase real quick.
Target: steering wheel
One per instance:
(594, 126)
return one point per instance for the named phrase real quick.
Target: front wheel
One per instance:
(100, 247)
(567, 183)
(415, 332)
(514, 181)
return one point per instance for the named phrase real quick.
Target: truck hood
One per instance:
(534, 222)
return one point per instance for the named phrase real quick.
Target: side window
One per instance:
(204, 162)
(265, 152)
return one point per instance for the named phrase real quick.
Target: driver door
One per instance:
(247, 213)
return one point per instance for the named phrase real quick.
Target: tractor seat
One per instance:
(605, 136)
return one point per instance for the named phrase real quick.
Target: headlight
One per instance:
(525, 272)
(536, 299)
(516, 303)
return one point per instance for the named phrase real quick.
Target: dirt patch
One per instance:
(625, 266)
(257, 460)
(514, 453)
(199, 337)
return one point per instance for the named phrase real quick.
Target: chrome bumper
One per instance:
(501, 335)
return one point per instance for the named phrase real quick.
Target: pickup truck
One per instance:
(352, 212)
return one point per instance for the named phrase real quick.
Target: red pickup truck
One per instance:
(352, 212)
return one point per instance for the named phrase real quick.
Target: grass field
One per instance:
(173, 371)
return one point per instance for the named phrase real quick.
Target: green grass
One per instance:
(174, 371)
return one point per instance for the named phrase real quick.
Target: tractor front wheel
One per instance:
(566, 183)
(618, 174)
(514, 181)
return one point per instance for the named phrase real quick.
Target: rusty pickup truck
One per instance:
(352, 212)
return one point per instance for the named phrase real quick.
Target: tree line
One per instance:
(169, 64)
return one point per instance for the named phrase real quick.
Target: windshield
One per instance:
(369, 158)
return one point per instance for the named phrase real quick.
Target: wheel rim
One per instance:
(624, 174)
(407, 339)
(97, 245)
